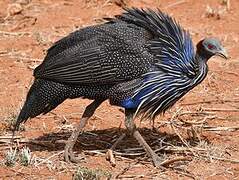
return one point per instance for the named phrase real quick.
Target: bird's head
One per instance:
(209, 47)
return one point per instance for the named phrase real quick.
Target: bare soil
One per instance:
(29, 27)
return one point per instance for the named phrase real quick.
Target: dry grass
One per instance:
(217, 12)
(91, 174)
(25, 156)
(11, 157)
(189, 146)
(9, 120)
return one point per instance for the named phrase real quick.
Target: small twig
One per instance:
(209, 102)
(45, 160)
(17, 56)
(131, 176)
(183, 141)
(228, 72)
(229, 118)
(97, 116)
(26, 59)
(123, 171)
(133, 149)
(170, 161)
(183, 172)
(18, 172)
(14, 33)
(209, 128)
(198, 122)
(102, 152)
(181, 149)
(37, 142)
(222, 159)
(175, 4)
(129, 154)
(195, 113)
(117, 154)
(3, 52)
(232, 73)
(220, 109)
(228, 5)
(9, 139)
(175, 130)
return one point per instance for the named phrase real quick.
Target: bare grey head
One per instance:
(209, 47)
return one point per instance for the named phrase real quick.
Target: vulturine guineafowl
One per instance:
(141, 60)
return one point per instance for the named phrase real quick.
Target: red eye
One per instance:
(210, 46)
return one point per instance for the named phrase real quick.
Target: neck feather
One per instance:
(202, 68)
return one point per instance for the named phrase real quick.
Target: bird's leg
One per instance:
(122, 136)
(89, 111)
(129, 123)
(109, 154)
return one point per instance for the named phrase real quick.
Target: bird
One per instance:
(141, 60)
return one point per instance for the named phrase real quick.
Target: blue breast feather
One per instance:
(161, 83)
(173, 66)
(133, 102)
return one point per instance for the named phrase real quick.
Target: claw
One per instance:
(157, 161)
(110, 157)
(66, 156)
(70, 156)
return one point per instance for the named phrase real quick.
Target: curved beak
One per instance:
(223, 53)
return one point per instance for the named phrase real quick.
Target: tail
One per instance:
(42, 97)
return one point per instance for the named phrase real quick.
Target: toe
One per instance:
(75, 159)
(66, 156)
(157, 161)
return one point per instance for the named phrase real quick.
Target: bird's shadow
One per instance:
(104, 139)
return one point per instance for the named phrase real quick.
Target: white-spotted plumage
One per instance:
(142, 60)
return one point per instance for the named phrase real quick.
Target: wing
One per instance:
(77, 64)
(103, 54)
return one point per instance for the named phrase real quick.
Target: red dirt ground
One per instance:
(27, 30)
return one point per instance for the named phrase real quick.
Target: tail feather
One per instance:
(42, 97)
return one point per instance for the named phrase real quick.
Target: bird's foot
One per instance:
(157, 161)
(109, 154)
(110, 157)
(69, 154)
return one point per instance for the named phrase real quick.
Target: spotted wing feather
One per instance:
(105, 54)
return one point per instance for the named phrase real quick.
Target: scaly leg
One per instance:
(129, 123)
(89, 111)
(109, 154)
